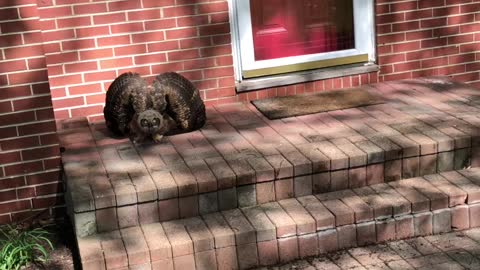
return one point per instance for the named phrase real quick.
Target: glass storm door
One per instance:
(279, 36)
(283, 28)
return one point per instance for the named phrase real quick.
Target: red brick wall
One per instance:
(429, 38)
(89, 44)
(29, 151)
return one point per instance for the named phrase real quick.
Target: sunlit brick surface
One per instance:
(304, 193)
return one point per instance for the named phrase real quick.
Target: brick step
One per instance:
(293, 228)
(117, 180)
(240, 158)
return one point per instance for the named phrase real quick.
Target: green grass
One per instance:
(19, 247)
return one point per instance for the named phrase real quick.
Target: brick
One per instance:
(366, 233)
(438, 200)
(347, 236)
(419, 202)
(82, 199)
(427, 145)
(127, 216)
(90, 252)
(381, 207)
(179, 239)
(385, 230)
(163, 264)
(188, 206)
(247, 196)
(288, 249)
(157, 241)
(266, 231)
(227, 258)
(343, 214)
(442, 221)
(307, 245)
(304, 222)
(244, 172)
(403, 249)
(268, 252)
(244, 232)
(186, 182)
(247, 256)
(184, 262)
(205, 260)
(225, 176)
(462, 158)
(227, 199)
(472, 190)
(283, 168)
(85, 224)
(474, 213)
(324, 219)
(302, 185)
(201, 237)
(301, 165)
(357, 177)
(338, 159)
(265, 192)
(392, 151)
(284, 189)
(410, 148)
(208, 203)
(114, 251)
(357, 157)
(166, 185)
(168, 209)
(223, 235)
(445, 161)
(411, 167)
(460, 217)
(135, 245)
(338, 180)
(321, 182)
(106, 219)
(285, 226)
(404, 227)
(428, 164)
(374, 153)
(422, 223)
(124, 192)
(375, 174)
(455, 195)
(320, 162)
(400, 205)
(263, 170)
(327, 241)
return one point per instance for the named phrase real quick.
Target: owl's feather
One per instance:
(125, 97)
(184, 104)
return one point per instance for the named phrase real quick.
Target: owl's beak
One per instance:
(157, 137)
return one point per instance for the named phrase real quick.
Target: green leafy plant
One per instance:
(19, 247)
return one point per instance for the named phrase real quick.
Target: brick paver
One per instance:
(245, 191)
(301, 227)
(456, 250)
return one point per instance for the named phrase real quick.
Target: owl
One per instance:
(183, 103)
(133, 108)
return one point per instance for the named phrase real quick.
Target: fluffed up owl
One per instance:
(172, 105)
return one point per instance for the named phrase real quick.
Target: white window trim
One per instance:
(242, 39)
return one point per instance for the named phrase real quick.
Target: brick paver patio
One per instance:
(449, 251)
(245, 191)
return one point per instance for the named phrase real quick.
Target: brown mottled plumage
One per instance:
(172, 105)
(184, 104)
(132, 109)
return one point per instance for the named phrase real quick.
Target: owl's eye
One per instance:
(144, 123)
(155, 121)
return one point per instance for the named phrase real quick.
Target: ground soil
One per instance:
(64, 256)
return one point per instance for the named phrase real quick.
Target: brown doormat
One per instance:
(282, 107)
